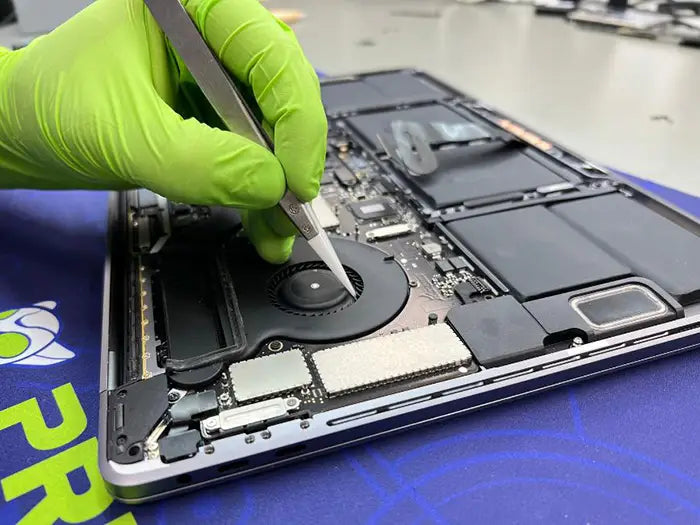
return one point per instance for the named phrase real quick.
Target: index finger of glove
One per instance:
(263, 53)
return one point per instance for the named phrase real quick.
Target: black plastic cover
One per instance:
(376, 90)
(649, 243)
(201, 318)
(535, 252)
(193, 405)
(179, 446)
(133, 411)
(556, 315)
(498, 331)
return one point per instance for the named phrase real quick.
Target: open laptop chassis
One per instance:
(493, 264)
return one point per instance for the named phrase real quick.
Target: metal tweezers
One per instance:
(223, 94)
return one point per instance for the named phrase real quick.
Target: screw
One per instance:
(291, 402)
(304, 424)
(293, 209)
(121, 440)
(265, 434)
(173, 396)
(577, 341)
(250, 438)
(412, 283)
(121, 394)
(209, 449)
(225, 398)
(275, 346)
(211, 423)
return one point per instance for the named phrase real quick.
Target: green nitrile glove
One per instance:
(102, 102)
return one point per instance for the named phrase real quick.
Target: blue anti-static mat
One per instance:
(619, 449)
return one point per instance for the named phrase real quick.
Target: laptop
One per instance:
(490, 263)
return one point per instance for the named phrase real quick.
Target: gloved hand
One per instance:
(102, 102)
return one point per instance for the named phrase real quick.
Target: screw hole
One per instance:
(121, 393)
(134, 450)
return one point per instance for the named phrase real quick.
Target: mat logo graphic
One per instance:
(28, 336)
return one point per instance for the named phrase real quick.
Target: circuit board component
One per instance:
(370, 362)
(272, 374)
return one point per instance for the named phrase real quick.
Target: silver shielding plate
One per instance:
(384, 359)
(272, 374)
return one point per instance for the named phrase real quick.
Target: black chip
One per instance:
(381, 188)
(372, 209)
(466, 292)
(443, 266)
(459, 263)
(345, 176)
